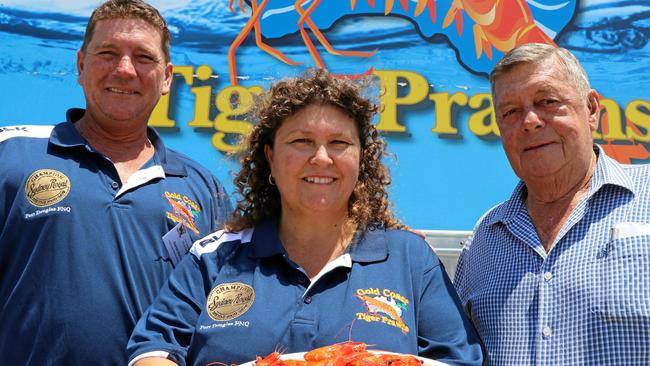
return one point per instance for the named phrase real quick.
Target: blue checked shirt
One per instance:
(587, 301)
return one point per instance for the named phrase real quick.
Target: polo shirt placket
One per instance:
(576, 304)
(389, 290)
(78, 272)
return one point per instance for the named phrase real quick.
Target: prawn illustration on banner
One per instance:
(481, 31)
(429, 60)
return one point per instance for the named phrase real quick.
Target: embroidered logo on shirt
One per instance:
(183, 210)
(46, 187)
(229, 300)
(383, 306)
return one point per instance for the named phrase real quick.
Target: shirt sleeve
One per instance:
(460, 282)
(444, 332)
(462, 276)
(166, 328)
(221, 206)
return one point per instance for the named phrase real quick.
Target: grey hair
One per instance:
(538, 53)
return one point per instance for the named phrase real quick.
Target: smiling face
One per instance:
(546, 125)
(315, 160)
(123, 71)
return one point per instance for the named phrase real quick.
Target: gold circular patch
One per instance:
(46, 187)
(229, 300)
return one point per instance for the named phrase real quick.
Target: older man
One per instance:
(559, 274)
(95, 211)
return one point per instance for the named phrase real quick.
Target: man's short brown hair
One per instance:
(124, 9)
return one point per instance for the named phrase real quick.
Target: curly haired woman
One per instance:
(312, 255)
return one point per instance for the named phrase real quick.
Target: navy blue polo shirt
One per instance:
(239, 296)
(81, 253)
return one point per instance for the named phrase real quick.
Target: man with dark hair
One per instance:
(559, 274)
(95, 212)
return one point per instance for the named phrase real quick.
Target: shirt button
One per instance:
(301, 279)
(546, 331)
(548, 276)
(115, 185)
(308, 300)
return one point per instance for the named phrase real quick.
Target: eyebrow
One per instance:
(113, 45)
(302, 131)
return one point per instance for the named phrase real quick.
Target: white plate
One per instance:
(300, 356)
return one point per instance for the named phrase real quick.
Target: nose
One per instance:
(125, 67)
(532, 120)
(321, 156)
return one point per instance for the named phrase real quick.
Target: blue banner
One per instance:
(430, 58)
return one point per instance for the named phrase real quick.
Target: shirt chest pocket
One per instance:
(622, 280)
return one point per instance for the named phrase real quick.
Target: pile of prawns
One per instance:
(341, 354)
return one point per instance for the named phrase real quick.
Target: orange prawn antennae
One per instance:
(252, 24)
(305, 18)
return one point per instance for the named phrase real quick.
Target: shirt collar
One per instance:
(266, 240)
(512, 207)
(608, 172)
(66, 135)
(369, 246)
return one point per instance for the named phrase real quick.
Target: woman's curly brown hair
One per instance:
(368, 205)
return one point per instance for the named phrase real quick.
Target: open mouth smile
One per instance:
(319, 180)
(121, 91)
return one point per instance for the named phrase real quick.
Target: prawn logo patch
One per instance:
(46, 187)
(229, 300)
(184, 210)
(384, 306)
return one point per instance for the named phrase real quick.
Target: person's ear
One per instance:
(593, 106)
(80, 66)
(167, 81)
(268, 152)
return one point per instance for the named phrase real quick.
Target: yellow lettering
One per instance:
(186, 72)
(173, 195)
(194, 206)
(611, 122)
(202, 100)
(444, 105)
(483, 122)
(367, 317)
(388, 321)
(174, 217)
(160, 114)
(390, 79)
(388, 293)
(400, 88)
(233, 101)
(638, 114)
